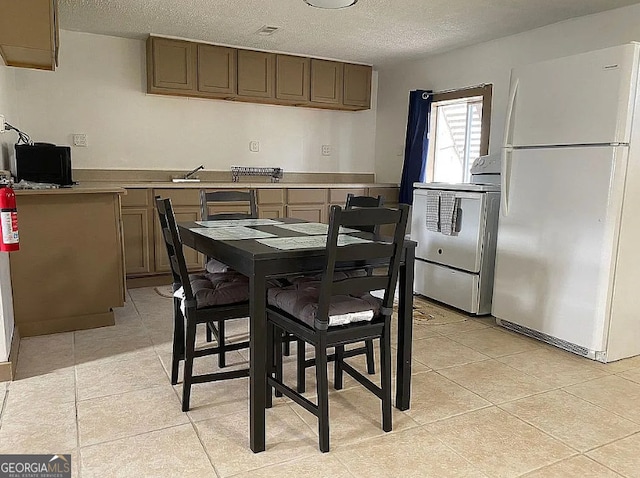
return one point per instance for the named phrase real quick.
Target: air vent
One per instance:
(563, 344)
(267, 30)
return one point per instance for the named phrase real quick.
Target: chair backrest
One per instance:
(384, 256)
(364, 201)
(173, 244)
(247, 198)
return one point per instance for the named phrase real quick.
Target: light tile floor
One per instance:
(485, 403)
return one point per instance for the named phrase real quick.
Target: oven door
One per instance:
(463, 250)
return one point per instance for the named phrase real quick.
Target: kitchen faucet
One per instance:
(194, 171)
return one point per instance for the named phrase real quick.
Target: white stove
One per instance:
(455, 226)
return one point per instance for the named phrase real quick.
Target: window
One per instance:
(459, 133)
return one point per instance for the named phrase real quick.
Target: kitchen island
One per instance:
(69, 271)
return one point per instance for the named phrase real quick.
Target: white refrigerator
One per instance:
(568, 250)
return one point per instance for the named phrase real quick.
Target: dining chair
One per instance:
(246, 208)
(199, 299)
(302, 362)
(364, 201)
(338, 310)
(245, 205)
(355, 202)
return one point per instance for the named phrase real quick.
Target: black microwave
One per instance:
(44, 163)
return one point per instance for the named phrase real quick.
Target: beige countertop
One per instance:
(239, 185)
(78, 189)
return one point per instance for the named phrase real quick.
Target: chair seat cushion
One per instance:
(216, 289)
(215, 267)
(301, 301)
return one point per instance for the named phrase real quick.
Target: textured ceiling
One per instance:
(373, 31)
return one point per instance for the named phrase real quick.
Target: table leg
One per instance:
(258, 360)
(405, 332)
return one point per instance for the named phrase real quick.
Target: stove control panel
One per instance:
(489, 164)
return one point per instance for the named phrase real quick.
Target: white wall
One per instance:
(8, 108)
(99, 89)
(489, 62)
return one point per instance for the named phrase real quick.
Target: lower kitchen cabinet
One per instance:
(137, 224)
(270, 203)
(309, 204)
(308, 212)
(194, 260)
(145, 253)
(271, 211)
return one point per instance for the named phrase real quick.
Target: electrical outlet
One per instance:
(326, 150)
(80, 139)
(254, 146)
(2, 128)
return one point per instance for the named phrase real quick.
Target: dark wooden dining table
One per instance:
(259, 263)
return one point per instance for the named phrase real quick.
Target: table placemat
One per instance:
(309, 242)
(235, 233)
(313, 228)
(238, 222)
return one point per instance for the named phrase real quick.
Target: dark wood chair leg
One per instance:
(277, 336)
(221, 344)
(322, 385)
(188, 365)
(337, 371)
(178, 341)
(301, 375)
(385, 376)
(371, 358)
(271, 365)
(209, 334)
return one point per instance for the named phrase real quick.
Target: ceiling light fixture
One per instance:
(331, 3)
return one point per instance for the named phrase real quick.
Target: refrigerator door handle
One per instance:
(505, 179)
(508, 129)
(507, 150)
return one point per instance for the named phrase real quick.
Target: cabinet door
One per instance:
(357, 85)
(271, 196)
(271, 211)
(292, 78)
(29, 33)
(217, 70)
(256, 74)
(326, 81)
(194, 260)
(308, 212)
(171, 66)
(137, 245)
(339, 196)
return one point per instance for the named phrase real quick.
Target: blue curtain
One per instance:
(417, 143)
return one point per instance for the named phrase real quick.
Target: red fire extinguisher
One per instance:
(8, 220)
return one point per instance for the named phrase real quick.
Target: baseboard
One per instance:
(8, 368)
(149, 281)
(67, 324)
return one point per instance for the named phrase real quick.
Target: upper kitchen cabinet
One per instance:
(292, 78)
(178, 67)
(256, 74)
(326, 82)
(357, 86)
(217, 70)
(29, 33)
(171, 66)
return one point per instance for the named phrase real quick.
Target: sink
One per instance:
(182, 180)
